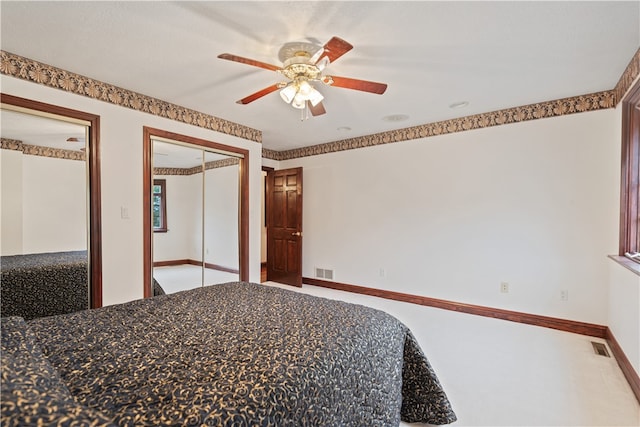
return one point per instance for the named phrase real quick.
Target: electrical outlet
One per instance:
(504, 287)
(382, 272)
(564, 295)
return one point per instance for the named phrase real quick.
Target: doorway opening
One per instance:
(263, 224)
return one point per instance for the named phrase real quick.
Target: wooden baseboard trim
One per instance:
(588, 329)
(582, 328)
(625, 365)
(175, 262)
(172, 262)
(221, 268)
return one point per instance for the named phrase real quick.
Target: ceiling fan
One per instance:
(303, 64)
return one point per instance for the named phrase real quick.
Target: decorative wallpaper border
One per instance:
(561, 107)
(232, 161)
(272, 154)
(23, 68)
(37, 150)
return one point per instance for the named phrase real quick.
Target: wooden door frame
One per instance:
(265, 201)
(147, 179)
(95, 197)
(629, 203)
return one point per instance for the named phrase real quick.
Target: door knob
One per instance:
(297, 233)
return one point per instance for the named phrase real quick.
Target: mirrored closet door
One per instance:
(195, 204)
(220, 210)
(45, 212)
(177, 216)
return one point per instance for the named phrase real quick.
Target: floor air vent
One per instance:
(600, 349)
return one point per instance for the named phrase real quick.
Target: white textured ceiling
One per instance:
(493, 55)
(41, 131)
(169, 154)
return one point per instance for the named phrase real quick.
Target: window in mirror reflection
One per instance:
(159, 202)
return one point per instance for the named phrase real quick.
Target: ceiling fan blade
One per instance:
(258, 94)
(235, 58)
(363, 85)
(334, 49)
(317, 110)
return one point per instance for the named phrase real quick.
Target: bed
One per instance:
(230, 354)
(44, 284)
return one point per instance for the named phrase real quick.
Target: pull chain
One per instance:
(304, 112)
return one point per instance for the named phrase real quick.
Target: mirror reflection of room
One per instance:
(194, 217)
(43, 207)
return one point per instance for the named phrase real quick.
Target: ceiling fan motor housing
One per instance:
(289, 50)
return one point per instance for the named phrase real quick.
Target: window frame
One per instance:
(162, 183)
(630, 176)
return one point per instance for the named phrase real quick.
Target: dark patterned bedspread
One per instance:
(31, 392)
(243, 354)
(45, 284)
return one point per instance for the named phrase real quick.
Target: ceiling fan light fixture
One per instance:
(298, 93)
(315, 97)
(299, 101)
(288, 93)
(305, 88)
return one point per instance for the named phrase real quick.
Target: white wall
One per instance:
(221, 219)
(44, 204)
(624, 311)
(533, 204)
(10, 202)
(183, 239)
(54, 205)
(121, 175)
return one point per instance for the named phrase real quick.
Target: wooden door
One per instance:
(284, 226)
